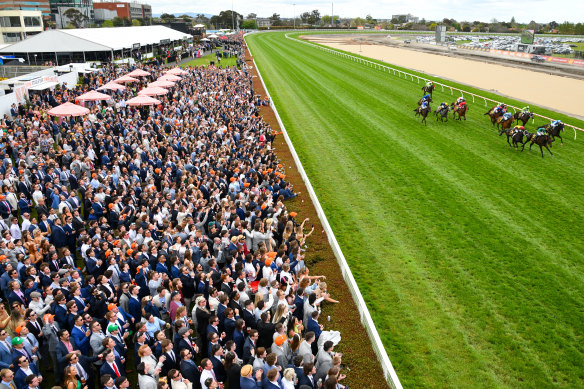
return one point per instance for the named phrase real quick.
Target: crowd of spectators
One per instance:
(160, 236)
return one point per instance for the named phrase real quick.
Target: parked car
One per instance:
(537, 58)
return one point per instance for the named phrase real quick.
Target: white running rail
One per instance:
(388, 370)
(407, 75)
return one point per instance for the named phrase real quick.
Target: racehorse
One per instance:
(428, 89)
(510, 132)
(542, 141)
(504, 123)
(523, 116)
(422, 100)
(443, 112)
(517, 138)
(423, 112)
(459, 109)
(555, 131)
(494, 115)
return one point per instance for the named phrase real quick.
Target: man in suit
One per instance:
(308, 378)
(112, 365)
(305, 348)
(177, 381)
(282, 351)
(185, 342)
(249, 347)
(188, 368)
(246, 381)
(65, 346)
(80, 335)
(248, 315)
(83, 365)
(273, 380)
(5, 350)
(25, 368)
(313, 326)
(171, 361)
(216, 359)
(50, 331)
(58, 235)
(7, 379)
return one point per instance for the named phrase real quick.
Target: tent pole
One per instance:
(84, 57)
(56, 59)
(28, 58)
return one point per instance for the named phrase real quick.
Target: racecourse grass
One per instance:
(468, 254)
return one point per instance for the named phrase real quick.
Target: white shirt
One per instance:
(15, 231)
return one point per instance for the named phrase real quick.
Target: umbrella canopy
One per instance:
(205, 40)
(125, 79)
(112, 86)
(69, 109)
(213, 36)
(93, 96)
(138, 73)
(176, 71)
(142, 100)
(169, 77)
(153, 91)
(223, 37)
(161, 84)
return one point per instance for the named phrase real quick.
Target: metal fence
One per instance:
(414, 77)
(388, 370)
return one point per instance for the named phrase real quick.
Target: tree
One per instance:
(358, 22)
(304, 17)
(136, 23)
(370, 19)
(107, 23)
(249, 25)
(76, 18)
(166, 16)
(201, 19)
(433, 26)
(186, 18)
(225, 19)
(251, 16)
(466, 28)
(275, 19)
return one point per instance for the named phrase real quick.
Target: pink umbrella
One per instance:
(125, 79)
(176, 71)
(161, 84)
(68, 109)
(153, 91)
(93, 96)
(138, 73)
(112, 86)
(142, 100)
(169, 77)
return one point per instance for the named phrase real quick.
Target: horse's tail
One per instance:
(488, 112)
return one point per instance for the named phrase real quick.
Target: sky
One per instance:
(524, 11)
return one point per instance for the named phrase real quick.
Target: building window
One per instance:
(10, 37)
(32, 21)
(10, 21)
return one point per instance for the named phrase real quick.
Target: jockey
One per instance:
(556, 123)
(429, 84)
(525, 109)
(541, 131)
(460, 100)
(424, 104)
(507, 116)
(443, 105)
(426, 97)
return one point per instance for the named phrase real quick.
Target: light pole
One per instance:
(294, 15)
(35, 61)
(332, 14)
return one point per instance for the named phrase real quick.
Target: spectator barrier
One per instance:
(393, 70)
(388, 370)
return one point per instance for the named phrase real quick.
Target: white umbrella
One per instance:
(213, 36)
(205, 40)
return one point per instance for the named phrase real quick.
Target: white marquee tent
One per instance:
(93, 40)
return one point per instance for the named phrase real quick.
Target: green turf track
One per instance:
(469, 255)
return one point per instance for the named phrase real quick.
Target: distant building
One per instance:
(102, 14)
(17, 25)
(28, 5)
(132, 10)
(263, 22)
(406, 18)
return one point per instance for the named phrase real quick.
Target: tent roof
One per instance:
(93, 39)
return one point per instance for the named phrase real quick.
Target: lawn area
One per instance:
(468, 254)
(206, 60)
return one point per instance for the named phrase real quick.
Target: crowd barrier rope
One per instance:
(366, 319)
(417, 78)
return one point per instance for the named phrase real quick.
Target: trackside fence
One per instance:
(388, 370)
(413, 77)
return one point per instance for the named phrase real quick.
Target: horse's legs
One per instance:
(508, 141)
(541, 149)
(547, 150)
(530, 145)
(561, 140)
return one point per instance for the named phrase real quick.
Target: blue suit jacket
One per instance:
(81, 340)
(313, 326)
(135, 309)
(249, 383)
(5, 355)
(62, 353)
(61, 316)
(20, 376)
(106, 369)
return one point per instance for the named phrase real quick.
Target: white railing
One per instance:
(388, 370)
(399, 73)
